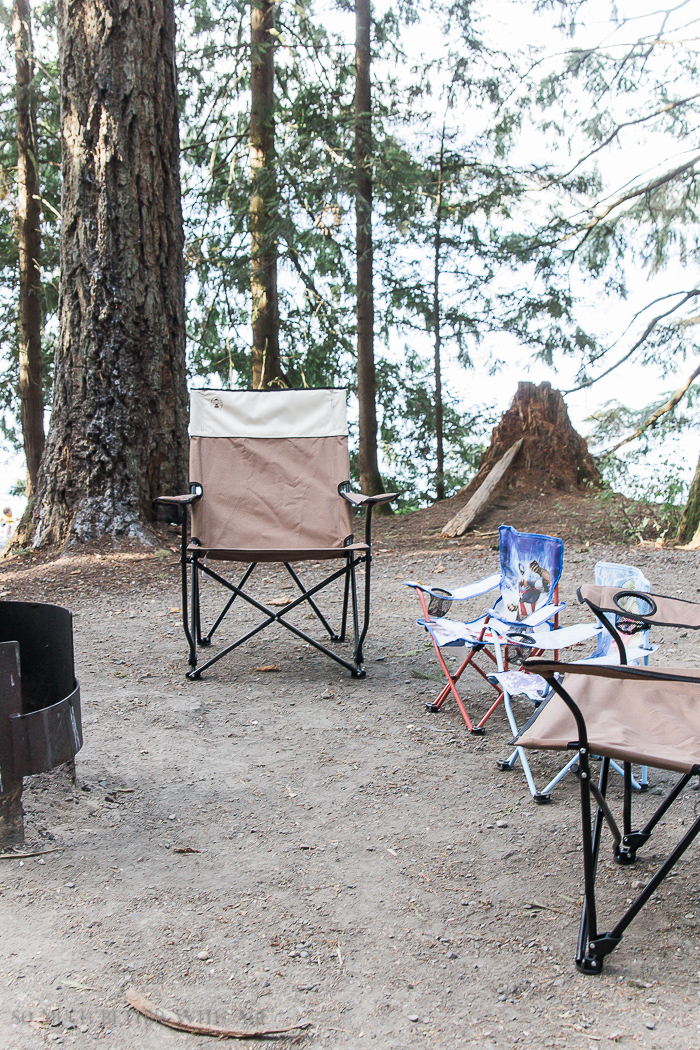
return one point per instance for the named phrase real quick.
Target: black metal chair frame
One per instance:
(593, 946)
(194, 565)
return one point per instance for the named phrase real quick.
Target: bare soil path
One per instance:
(259, 848)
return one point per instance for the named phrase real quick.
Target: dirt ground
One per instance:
(262, 848)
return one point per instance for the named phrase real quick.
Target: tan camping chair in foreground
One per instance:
(632, 715)
(269, 484)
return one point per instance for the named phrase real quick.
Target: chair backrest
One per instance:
(612, 574)
(624, 577)
(531, 566)
(269, 463)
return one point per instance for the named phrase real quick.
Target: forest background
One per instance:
(535, 216)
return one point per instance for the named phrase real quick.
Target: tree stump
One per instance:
(553, 456)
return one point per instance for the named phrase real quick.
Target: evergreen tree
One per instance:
(118, 434)
(29, 241)
(28, 322)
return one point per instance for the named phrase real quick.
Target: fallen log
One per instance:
(461, 521)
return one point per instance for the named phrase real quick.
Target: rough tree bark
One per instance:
(29, 241)
(263, 198)
(370, 478)
(118, 434)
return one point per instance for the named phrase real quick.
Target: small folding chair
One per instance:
(526, 608)
(630, 714)
(535, 688)
(269, 484)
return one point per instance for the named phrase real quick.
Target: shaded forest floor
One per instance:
(265, 847)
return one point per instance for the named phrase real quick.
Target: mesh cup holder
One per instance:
(634, 602)
(439, 606)
(516, 654)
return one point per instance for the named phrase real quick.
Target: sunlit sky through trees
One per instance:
(534, 41)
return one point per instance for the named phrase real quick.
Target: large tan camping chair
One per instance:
(630, 714)
(269, 483)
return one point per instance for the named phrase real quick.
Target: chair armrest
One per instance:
(461, 594)
(640, 652)
(549, 668)
(196, 492)
(178, 501)
(358, 499)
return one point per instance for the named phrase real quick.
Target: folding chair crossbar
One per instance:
(672, 752)
(206, 640)
(335, 637)
(350, 596)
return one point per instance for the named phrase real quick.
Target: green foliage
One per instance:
(406, 396)
(496, 210)
(658, 482)
(49, 163)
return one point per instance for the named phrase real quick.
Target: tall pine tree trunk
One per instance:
(29, 238)
(370, 479)
(118, 434)
(263, 198)
(439, 426)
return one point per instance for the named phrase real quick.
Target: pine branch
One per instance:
(643, 337)
(656, 416)
(620, 128)
(641, 191)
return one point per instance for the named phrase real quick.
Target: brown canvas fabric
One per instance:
(671, 612)
(646, 721)
(270, 494)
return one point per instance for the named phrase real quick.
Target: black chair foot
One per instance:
(432, 707)
(359, 672)
(194, 675)
(503, 764)
(590, 965)
(204, 642)
(477, 730)
(541, 797)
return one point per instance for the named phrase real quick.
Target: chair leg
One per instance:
(359, 671)
(366, 611)
(539, 795)
(206, 640)
(451, 687)
(194, 611)
(589, 958)
(592, 946)
(346, 599)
